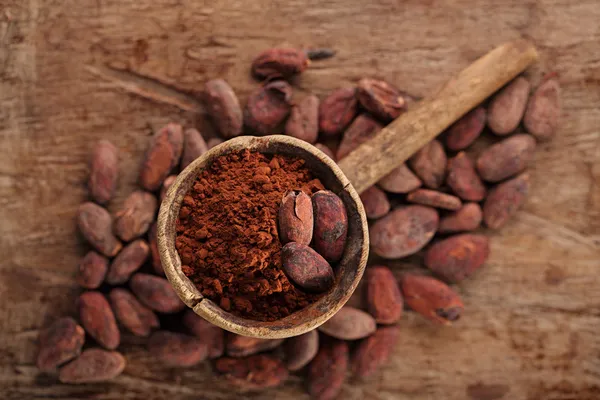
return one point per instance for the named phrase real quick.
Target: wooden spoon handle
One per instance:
(398, 141)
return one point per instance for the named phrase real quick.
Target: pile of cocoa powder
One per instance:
(430, 209)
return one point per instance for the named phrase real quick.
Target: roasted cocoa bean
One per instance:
(133, 315)
(136, 215)
(543, 110)
(98, 319)
(375, 202)
(319, 53)
(331, 225)
(463, 179)
(300, 350)
(58, 343)
(337, 110)
(508, 106)
(303, 122)
(457, 257)
(306, 268)
(213, 142)
(506, 158)
(104, 171)
(384, 300)
(504, 200)
(193, 147)
(92, 270)
(242, 346)
(404, 231)
(176, 349)
(466, 130)
(93, 365)
(327, 371)
(156, 293)
(434, 198)
(380, 98)
(295, 218)
(162, 156)
(268, 107)
(256, 372)
(429, 164)
(325, 150)
(95, 224)
(129, 260)
(279, 63)
(468, 218)
(374, 351)
(431, 298)
(360, 130)
(155, 255)
(349, 323)
(400, 180)
(212, 335)
(166, 185)
(223, 108)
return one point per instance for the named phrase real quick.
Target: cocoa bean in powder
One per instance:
(303, 122)
(268, 107)
(223, 107)
(374, 351)
(457, 257)
(156, 293)
(212, 335)
(93, 365)
(104, 171)
(504, 200)
(468, 218)
(58, 343)
(431, 298)
(349, 323)
(466, 130)
(327, 371)
(337, 110)
(129, 260)
(300, 350)
(506, 158)
(95, 223)
(193, 147)
(98, 319)
(543, 110)
(331, 225)
(384, 300)
(176, 349)
(242, 346)
(434, 198)
(306, 268)
(136, 215)
(375, 202)
(255, 372)
(133, 315)
(162, 156)
(360, 130)
(380, 98)
(463, 179)
(508, 106)
(429, 164)
(279, 63)
(92, 270)
(400, 180)
(295, 218)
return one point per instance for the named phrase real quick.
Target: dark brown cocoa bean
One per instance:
(279, 63)
(303, 122)
(104, 171)
(349, 323)
(327, 371)
(256, 372)
(162, 156)
(328, 152)
(156, 293)
(95, 223)
(384, 300)
(381, 99)
(360, 130)
(166, 185)
(400, 180)
(508, 106)
(543, 110)
(92, 270)
(504, 200)
(331, 225)
(295, 218)
(136, 215)
(129, 260)
(300, 350)
(155, 255)
(434, 198)
(212, 335)
(93, 365)
(375, 202)
(306, 268)
(506, 158)
(176, 349)
(213, 142)
(193, 147)
(223, 107)
(374, 351)
(466, 130)
(268, 107)
(429, 164)
(98, 319)
(58, 343)
(463, 179)
(337, 110)
(468, 218)
(133, 315)
(242, 346)
(431, 298)
(457, 257)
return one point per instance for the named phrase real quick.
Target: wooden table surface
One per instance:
(532, 317)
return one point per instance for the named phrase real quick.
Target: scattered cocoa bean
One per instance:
(457, 257)
(327, 371)
(543, 110)
(154, 254)
(255, 372)
(213, 142)
(337, 110)
(98, 319)
(133, 315)
(349, 323)
(58, 343)
(303, 122)
(166, 185)
(242, 346)
(295, 218)
(464, 131)
(374, 351)
(331, 225)
(223, 107)
(507, 107)
(279, 63)
(325, 150)
(504, 200)
(104, 171)
(156, 293)
(129, 260)
(92, 270)
(136, 215)
(463, 179)
(95, 223)
(319, 53)
(434, 198)
(380, 98)
(431, 298)
(193, 147)
(212, 335)
(162, 156)
(384, 300)
(506, 158)
(300, 350)
(468, 218)
(306, 268)
(360, 130)
(176, 349)
(268, 107)
(375, 202)
(404, 231)
(400, 180)
(93, 365)
(429, 164)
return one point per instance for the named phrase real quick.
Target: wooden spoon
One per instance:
(356, 172)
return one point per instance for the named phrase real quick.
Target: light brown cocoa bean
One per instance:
(463, 179)
(506, 158)
(349, 323)
(242, 346)
(504, 200)
(434, 198)
(384, 300)
(303, 122)
(327, 371)
(93, 365)
(328, 152)
(176, 349)
(92, 270)
(300, 350)
(154, 254)
(404, 231)
(295, 218)
(374, 351)
(166, 185)
(429, 164)
(468, 218)
(543, 110)
(375, 202)
(213, 142)
(212, 335)
(193, 147)
(331, 225)
(337, 110)
(98, 319)
(58, 343)
(255, 372)
(431, 298)
(457, 257)
(381, 99)
(306, 268)
(466, 130)
(133, 315)
(162, 156)
(279, 63)
(223, 108)
(400, 180)
(156, 293)
(508, 106)
(129, 260)
(268, 107)
(104, 171)
(136, 215)
(360, 130)
(95, 224)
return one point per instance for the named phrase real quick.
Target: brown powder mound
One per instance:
(227, 234)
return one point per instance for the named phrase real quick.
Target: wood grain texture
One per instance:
(533, 312)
